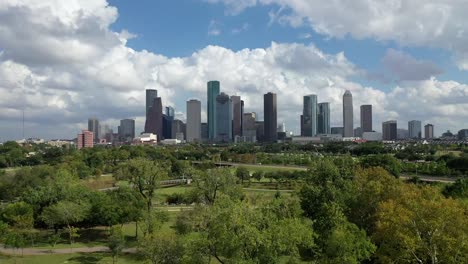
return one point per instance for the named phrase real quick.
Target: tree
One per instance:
(459, 189)
(116, 242)
(212, 182)
(68, 214)
(421, 226)
(144, 175)
(242, 173)
(162, 249)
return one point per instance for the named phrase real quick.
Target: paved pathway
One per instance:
(42, 251)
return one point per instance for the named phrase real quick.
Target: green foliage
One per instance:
(18, 215)
(162, 249)
(116, 242)
(388, 162)
(211, 183)
(459, 189)
(243, 174)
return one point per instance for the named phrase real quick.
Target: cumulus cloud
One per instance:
(59, 88)
(406, 68)
(427, 23)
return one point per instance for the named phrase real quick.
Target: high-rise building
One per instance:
(358, 132)
(168, 117)
(204, 131)
(366, 118)
(270, 117)
(428, 131)
(93, 126)
(248, 125)
(85, 139)
(462, 134)
(348, 123)
(414, 129)
(337, 131)
(154, 121)
(323, 120)
(309, 116)
(223, 118)
(281, 128)
(127, 130)
(151, 94)
(213, 92)
(178, 129)
(389, 130)
(260, 129)
(236, 115)
(170, 112)
(193, 121)
(402, 133)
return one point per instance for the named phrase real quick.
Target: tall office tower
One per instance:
(270, 117)
(85, 139)
(249, 131)
(127, 130)
(223, 118)
(154, 122)
(236, 116)
(348, 123)
(193, 121)
(260, 127)
(204, 131)
(178, 129)
(337, 131)
(428, 131)
(170, 112)
(281, 128)
(242, 116)
(389, 130)
(323, 119)
(366, 118)
(358, 132)
(93, 126)
(309, 116)
(151, 94)
(414, 129)
(168, 117)
(213, 92)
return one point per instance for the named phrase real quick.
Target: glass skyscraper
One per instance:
(213, 92)
(323, 126)
(151, 94)
(270, 125)
(348, 122)
(223, 118)
(309, 116)
(414, 129)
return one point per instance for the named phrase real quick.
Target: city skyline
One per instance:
(100, 65)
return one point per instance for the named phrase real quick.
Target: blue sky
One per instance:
(407, 58)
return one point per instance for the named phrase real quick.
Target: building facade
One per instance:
(389, 130)
(93, 126)
(270, 117)
(178, 129)
(193, 121)
(154, 121)
(414, 129)
(237, 111)
(249, 130)
(85, 139)
(366, 118)
(429, 131)
(223, 118)
(309, 116)
(213, 91)
(348, 117)
(151, 94)
(323, 119)
(337, 131)
(127, 130)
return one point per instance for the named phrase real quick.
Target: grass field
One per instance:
(82, 258)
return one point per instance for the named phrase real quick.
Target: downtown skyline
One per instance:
(114, 59)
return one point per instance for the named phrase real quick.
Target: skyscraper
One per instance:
(366, 118)
(348, 123)
(249, 130)
(223, 118)
(193, 121)
(127, 130)
(213, 92)
(309, 116)
(323, 120)
(236, 116)
(270, 117)
(93, 126)
(154, 121)
(414, 129)
(428, 131)
(151, 94)
(178, 129)
(389, 130)
(85, 139)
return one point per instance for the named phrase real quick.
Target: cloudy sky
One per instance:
(64, 61)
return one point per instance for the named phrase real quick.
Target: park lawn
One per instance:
(440, 153)
(102, 258)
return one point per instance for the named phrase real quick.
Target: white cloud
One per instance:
(423, 23)
(60, 86)
(241, 29)
(214, 28)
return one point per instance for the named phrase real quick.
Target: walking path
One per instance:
(43, 251)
